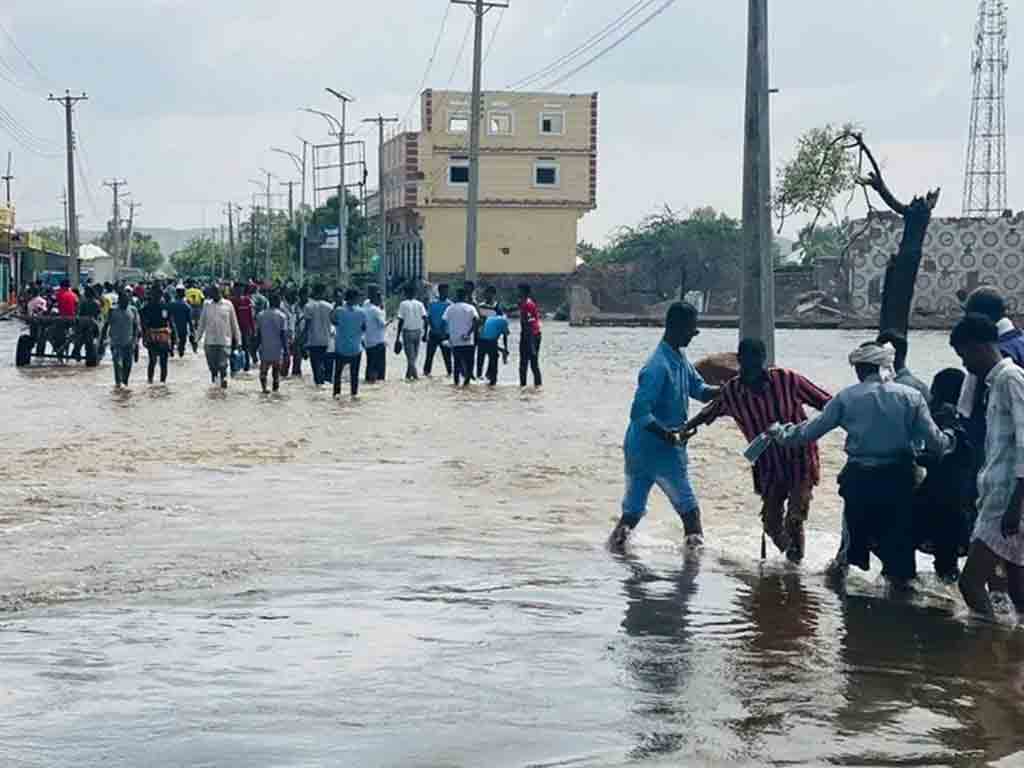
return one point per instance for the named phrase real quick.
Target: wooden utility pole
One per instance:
(15, 276)
(231, 239)
(115, 185)
(757, 289)
(382, 231)
(132, 205)
(480, 7)
(68, 102)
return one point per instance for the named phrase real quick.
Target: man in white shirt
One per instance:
(376, 344)
(412, 329)
(462, 319)
(219, 326)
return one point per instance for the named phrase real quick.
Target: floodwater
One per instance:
(418, 578)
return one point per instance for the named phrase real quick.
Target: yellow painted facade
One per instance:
(538, 166)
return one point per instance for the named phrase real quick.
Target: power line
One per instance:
(430, 61)
(43, 79)
(608, 49)
(609, 29)
(462, 50)
(494, 33)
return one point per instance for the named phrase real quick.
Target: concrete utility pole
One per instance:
(480, 7)
(231, 237)
(382, 233)
(115, 185)
(64, 202)
(291, 200)
(344, 98)
(300, 166)
(757, 290)
(132, 205)
(7, 179)
(68, 101)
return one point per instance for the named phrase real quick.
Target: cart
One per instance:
(59, 338)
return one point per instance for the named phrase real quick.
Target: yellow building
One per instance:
(538, 177)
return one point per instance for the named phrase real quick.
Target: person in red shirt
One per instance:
(784, 476)
(246, 322)
(529, 338)
(67, 300)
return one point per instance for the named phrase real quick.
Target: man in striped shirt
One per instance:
(784, 476)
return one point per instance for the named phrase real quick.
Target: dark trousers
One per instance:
(878, 517)
(463, 363)
(339, 366)
(157, 352)
(316, 362)
(434, 343)
(487, 352)
(182, 334)
(529, 357)
(296, 358)
(376, 363)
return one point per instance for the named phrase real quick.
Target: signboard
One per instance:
(6, 217)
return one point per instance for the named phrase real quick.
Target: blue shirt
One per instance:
(884, 422)
(667, 382)
(349, 324)
(1011, 344)
(494, 328)
(435, 315)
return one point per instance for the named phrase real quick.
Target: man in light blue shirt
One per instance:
(654, 452)
(438, 336)
(376, 343)
(495, 327)
(349, 326)
(885, 423)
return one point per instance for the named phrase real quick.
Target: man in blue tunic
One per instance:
(654, 451)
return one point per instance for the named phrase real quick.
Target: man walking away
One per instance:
(885, 423)
(124, 330)
(653, 451)
(412, 323)
(462, 320)
(298, 350)
(376, 342)
(349, 325)
(317, 317)
(488, 309)
(784, 478)
(437, 337)
(181, 316)
(218, 325)
(272, 339)
(246, 322)
(494, 328)
(997, 537)
(529, 339)
(903, 374)
(195, 298)
(157, 331)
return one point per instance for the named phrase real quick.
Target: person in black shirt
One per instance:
(181, 316)
(87, 327)
(156, 329)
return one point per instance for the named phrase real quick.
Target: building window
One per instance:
(458, 122)
(499, 123)
(545, 173)
(552, 123)
(458, 171)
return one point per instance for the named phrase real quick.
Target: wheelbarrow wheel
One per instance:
(23, 353)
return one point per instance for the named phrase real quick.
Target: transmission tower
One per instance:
(985, 176)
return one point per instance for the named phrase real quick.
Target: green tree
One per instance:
(51, 238)
(145, 253)
(699, 252)
(201, 257)
(588, 252)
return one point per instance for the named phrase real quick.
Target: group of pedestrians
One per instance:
(241, 327)
(937, 468)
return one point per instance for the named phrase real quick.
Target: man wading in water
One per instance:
(884, 423)
(653, 450)
(783, 477)
(997, 536)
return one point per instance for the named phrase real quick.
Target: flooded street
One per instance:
(419, 578)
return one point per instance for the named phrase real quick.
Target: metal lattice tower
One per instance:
(985, 176)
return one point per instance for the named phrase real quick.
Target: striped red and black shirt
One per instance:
(782, 400)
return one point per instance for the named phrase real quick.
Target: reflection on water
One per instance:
(200, 577)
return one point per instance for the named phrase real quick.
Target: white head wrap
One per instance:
(882, 355)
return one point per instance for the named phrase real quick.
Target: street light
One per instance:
(344, 98)
(300, 165)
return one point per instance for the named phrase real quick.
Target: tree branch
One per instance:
(876, 182)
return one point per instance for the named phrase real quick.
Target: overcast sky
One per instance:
(186, 97)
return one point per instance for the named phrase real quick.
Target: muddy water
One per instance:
(417, 579)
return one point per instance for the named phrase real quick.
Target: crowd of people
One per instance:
(938, 469)
(275, 328)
